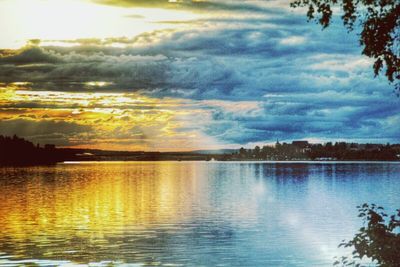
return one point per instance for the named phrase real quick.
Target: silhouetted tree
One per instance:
(380, 34)
(18, 151)
(378, 240)
(257, 152)
(242, 152)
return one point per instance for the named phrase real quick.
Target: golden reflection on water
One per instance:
(94, 201)
(135, 212)
(80, 208)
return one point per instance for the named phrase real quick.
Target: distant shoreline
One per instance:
(235, 161)
(20, 152)
(77, 162)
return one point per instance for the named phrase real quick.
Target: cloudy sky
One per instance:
(165, 75)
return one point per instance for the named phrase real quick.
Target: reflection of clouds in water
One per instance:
(331, 190)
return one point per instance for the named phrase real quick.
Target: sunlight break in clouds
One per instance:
(22, 20)
(124, 121)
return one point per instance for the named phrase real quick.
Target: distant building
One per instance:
(373, 147)
(353, 147)
(301, 144)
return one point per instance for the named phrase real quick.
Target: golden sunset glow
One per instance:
(126, 121)
(53, 20)
(92, 118)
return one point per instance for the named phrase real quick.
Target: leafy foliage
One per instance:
(378, 239)
(380, 34)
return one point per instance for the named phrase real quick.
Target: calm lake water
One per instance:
(187, 213)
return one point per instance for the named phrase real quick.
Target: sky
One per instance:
(174, 75)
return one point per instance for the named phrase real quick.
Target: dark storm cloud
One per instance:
(323, 115)
(190, 59)
(50, 67)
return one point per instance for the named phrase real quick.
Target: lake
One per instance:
(187, 213)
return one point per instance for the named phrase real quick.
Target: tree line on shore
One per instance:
(18, 151)
(302, 150)
(15, 151)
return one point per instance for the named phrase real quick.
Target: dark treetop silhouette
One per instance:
(380, 34)
(378, 239)
(18, 151)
